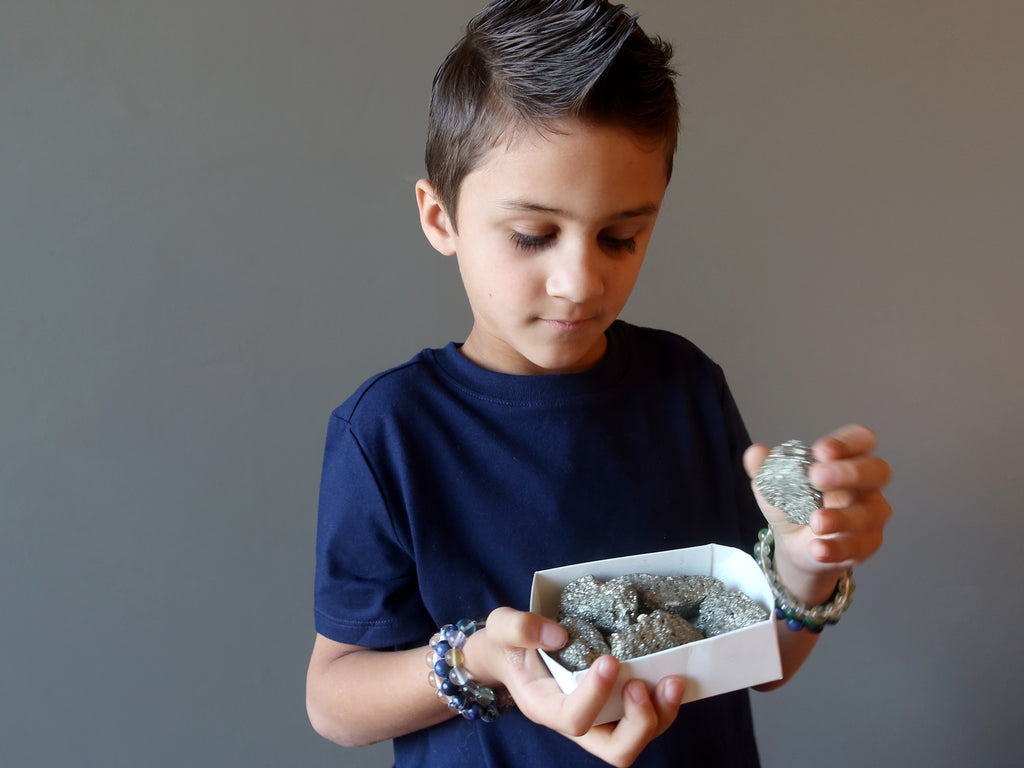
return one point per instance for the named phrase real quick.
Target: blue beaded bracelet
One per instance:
(796, 614)
(451, 679)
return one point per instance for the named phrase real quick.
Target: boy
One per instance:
(555, 433)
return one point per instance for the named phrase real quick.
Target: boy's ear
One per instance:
(434, 219)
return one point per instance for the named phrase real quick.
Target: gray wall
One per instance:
(207, 240)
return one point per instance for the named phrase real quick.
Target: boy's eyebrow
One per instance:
(519, 204)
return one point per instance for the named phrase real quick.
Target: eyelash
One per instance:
(536, 242)
(530, 242)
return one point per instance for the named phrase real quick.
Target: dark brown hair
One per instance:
(531, 63)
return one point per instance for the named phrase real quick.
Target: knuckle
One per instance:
(885, 472)
(625, 758)
(575, 725)
(507, 622)
(886, 511)
(521, 627)
(501, 614)
(494, 618)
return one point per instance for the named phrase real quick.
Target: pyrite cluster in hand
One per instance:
(782, 481)
(632, 616)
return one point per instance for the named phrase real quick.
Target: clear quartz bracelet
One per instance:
(799, 615)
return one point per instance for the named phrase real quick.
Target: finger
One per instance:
(577, 711)
(868, 512)
(519, 629)
(639, 723)
(866, 473)
(847, 551)
(539, 698)
(515, 635)
(851, 440)
(504, 650)
(622, 743)
(668, 696)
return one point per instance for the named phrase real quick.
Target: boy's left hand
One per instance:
(847, 531)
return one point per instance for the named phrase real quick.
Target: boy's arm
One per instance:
(809, 559)
(357, 696)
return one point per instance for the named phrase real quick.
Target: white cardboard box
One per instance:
(738, 659)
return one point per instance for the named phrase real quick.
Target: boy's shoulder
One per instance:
(659, 346)
(389, 388)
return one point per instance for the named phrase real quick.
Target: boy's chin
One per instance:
(561, 360)
(528, 356)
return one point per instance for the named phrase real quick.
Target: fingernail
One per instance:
(606, 667)
(637, 692)
(821, 524)
(819, 550)
(674, 691)
(822, 475)
(552, 636)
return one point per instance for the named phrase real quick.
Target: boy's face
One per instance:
(552, 232)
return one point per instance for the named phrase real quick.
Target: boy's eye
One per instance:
(530, 242)
(622, 244)
(536, 242)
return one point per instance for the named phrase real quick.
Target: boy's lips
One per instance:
(574, 324)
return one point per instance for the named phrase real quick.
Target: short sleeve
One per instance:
(365, 589)
(750, 518)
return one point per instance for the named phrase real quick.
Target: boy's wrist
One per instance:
(471, 697)
(478, 662)
(804, 610)
(809, 587)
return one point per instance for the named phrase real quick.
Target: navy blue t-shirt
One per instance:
(445, 486)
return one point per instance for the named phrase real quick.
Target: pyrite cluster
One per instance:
(783, 482)
(638, 614)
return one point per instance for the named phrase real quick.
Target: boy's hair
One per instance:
(529, 64)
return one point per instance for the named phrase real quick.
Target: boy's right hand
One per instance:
(505, 652)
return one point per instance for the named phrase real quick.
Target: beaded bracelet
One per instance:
(799, 615)
(451, 679)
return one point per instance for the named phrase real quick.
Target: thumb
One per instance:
(519, 629)
(753, 458)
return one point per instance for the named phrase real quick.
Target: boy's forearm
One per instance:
(794, 648)
(362, 697)
(811, 589)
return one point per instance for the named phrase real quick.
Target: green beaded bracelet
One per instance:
(796, 614)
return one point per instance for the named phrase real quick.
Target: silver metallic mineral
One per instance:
(724, 611)
(609, 606)
(782, 481)
(681, 595)
(637, 614)
(652, 632)
(585, 644)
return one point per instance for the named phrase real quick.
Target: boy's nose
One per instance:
(575, 277)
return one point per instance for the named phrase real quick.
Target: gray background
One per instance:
(208, 239)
